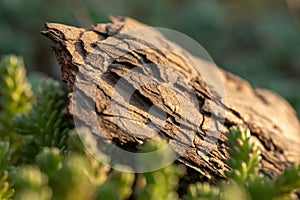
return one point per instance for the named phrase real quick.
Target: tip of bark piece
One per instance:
(55, 26)
(58, 32)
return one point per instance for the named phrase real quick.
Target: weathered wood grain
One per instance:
(269, 117)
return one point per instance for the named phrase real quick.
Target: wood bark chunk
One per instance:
(269, 117)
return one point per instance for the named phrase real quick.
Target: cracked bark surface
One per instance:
(106, 55)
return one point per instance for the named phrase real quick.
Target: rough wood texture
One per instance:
(270, 118)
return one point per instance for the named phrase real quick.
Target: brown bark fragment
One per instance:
(270, 118)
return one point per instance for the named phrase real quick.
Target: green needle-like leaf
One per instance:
(245, 156)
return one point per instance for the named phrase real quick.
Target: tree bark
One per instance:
(86, 52)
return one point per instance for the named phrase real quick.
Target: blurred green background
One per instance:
(258, 40)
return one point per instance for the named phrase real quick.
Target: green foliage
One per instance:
(31, 184)
(15, 95)
(73, 180)
(119, 182)
(45, 125)
(245, 156)
(56, 176)
(261, 188)
(160, 184)
(234, 191)
(244, 179)
(49, 161)
(5, 189)
(288, 182)
(202, 191)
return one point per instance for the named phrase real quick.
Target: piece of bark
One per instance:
(271, 120)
